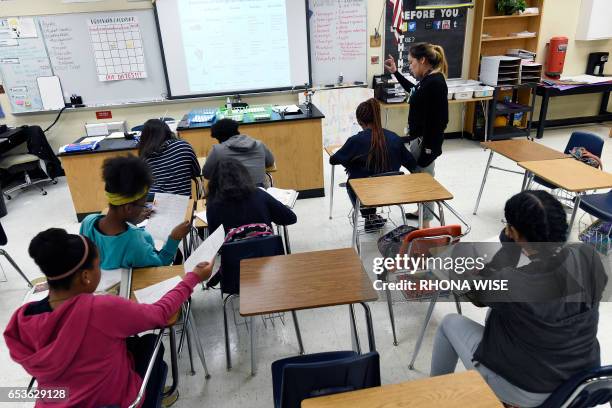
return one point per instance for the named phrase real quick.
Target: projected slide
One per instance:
(216, 47)
(252, 49)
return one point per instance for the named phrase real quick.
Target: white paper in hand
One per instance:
(168, 212)
(207, 251)
(108, 279)
(152, 294)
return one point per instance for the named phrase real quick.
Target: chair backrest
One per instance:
(589, 141)
(420, 242)
(233, 252)
(326, 374)
(587, 389)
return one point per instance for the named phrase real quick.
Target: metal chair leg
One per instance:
(457, 303)
(253, 337)
(194, 330)
(12, 262)
(185, 310)
(228, 357)
(391, 314)
(417, 347)
(297, 331)
(189, 351)
(331, 192)
(354, 334)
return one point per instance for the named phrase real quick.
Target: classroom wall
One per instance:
(560, 18)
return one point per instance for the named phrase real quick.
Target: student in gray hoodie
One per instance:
(252, 153)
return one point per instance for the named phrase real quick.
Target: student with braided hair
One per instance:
(543, 330)
(372, 151)
(428, 114)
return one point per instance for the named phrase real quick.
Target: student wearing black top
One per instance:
(234, 201)
(428, 115)
(372, 151)
(172, 161)
(543, 330)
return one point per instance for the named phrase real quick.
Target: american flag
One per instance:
(398, 20)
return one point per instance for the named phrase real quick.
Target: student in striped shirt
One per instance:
(172, 161)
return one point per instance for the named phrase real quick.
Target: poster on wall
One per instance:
(118, 49)
(407, 25)
(431, 4)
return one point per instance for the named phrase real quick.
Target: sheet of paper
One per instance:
(207, 251)
(116, 135)
(108, 279)
(287, 197)
(92, 139)
(168, 212)
(587, 79)
(202, 215)
(152, 294)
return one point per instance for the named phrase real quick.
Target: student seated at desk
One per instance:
(372, 151)
(80, 342)
(252, 153)
(234, 201)
(172, 161)
(120, 242)
(533, 339)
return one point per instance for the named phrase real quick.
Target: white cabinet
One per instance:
(595, 20)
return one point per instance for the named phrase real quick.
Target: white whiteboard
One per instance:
(338, 41)
(64, 48)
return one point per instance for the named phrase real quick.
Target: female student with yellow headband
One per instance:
(74, 341)
(122, 244)
(428, 114)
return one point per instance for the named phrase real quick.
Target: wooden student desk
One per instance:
(305, 281)
(569, 174)
(517, 150)
(467, 389)
(384, 191)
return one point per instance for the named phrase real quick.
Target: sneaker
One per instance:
(170, 399)
(374, 223)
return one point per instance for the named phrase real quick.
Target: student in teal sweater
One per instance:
(121, 244)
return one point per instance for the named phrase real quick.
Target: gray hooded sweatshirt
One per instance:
(252, 153)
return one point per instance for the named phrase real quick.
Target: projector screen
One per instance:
(216, 47)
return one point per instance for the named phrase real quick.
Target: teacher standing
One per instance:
(428, 115)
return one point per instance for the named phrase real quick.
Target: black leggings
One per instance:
(366, 212)
(141, 349)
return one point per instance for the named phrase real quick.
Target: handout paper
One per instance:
(207, 251)
(153, 293)
(168, 211)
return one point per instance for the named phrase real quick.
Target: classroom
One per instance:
(305, 203)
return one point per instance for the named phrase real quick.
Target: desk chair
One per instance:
(589, 141)
(231, 255)
(24, 164)
(269, 171)
(419, 243)
(4, 241)
(599, 206)
(584, 390)
(295, 379)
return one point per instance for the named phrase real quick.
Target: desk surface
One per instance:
(450, 101)
(466, 389)
(303, 281)
(569, 174)
(144, 277)
(315, 113)
(576, 89)
(392, 190)
(520, 150)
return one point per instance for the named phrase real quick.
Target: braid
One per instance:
(538, 216)
(368, 112)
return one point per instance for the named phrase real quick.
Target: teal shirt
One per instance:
(133, 248)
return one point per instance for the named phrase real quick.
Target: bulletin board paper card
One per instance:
(118, 48)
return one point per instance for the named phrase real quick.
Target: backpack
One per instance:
(241, 233)
(582, 154)
(390, 243)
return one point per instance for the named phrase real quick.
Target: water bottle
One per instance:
(340, 79)
(228, 104)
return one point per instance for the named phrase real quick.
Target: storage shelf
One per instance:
(512, 16)
(510, 37)
(503, 109)
(508, 132)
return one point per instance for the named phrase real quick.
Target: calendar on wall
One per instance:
(118, 48)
